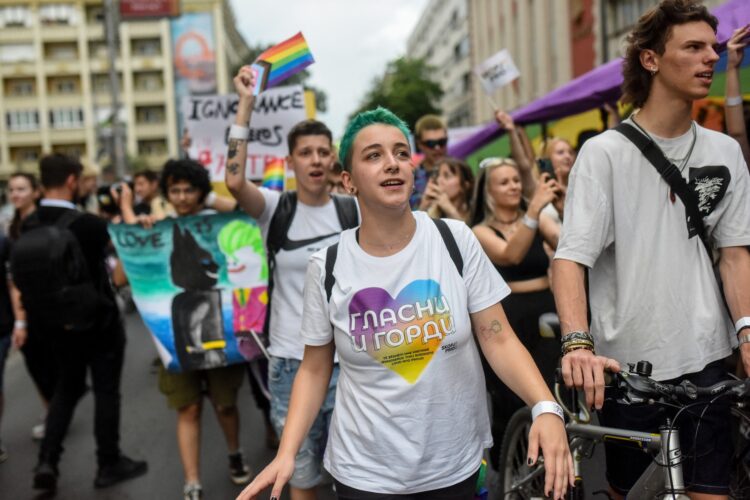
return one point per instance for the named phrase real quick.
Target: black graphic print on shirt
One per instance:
(710, 184)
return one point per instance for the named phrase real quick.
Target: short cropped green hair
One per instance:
(364, 119)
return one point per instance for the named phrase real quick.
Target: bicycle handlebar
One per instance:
(635, 386)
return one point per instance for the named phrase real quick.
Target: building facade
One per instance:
(55, 86)
(442, 39)
(538, 35)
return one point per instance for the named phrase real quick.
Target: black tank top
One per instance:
(534, 264)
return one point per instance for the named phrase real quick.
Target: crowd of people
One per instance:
(400, 296)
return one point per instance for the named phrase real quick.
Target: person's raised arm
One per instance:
(734, 267)
(518, 152)
(514, 365)
(733, 109)
(513, 250)
(247, 195)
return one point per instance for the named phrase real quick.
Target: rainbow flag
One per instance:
(273, 175)
(280, 62)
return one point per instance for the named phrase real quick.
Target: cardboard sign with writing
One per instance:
(497, 71)
(208, 118)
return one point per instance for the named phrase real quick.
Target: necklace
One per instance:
(518, 216)
(684, 161)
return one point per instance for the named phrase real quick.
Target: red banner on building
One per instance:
(136, 9)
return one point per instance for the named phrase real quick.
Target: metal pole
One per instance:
(117, 154)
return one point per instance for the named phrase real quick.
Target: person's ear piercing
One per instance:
(654, 71)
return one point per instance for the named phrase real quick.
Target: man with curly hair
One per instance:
(653, 293)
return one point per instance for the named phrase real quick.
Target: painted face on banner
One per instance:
(244, 267)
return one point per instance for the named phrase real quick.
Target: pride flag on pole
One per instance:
(273, 175)
(280, 62)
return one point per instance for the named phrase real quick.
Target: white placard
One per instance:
(208, 118)
(497, 71)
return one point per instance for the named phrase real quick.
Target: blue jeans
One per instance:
(308, 464)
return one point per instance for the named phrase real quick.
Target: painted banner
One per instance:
(497, 71)
(200, 284)
(208, 118)
(194, 52)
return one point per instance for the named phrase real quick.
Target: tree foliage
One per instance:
(321, 99)
(407, 89)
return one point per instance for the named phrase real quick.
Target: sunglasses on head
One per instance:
(433, 143)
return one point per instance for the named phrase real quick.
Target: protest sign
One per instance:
(497, 71)
(280, 62)
(208, 118)
(200, 284)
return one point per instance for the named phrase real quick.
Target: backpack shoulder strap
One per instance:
(281, 221)
(68, 218)
(346, 210)
(672, 176)
(450, 244)
(331, 254)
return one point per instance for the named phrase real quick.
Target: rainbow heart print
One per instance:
(404, 333)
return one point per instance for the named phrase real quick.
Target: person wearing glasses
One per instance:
(512, 233)
(431, 136)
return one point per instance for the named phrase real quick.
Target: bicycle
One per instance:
(663, 479)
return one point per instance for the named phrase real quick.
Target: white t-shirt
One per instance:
(653, 294)
(411, 410)
(312, 229)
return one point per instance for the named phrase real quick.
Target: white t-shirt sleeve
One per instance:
(587, 224)
(733, 229)
(484, 285)
(272, 201)
(316, 327)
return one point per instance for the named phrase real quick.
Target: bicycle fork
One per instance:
(663, 479)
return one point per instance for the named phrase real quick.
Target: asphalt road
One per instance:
(147, 432)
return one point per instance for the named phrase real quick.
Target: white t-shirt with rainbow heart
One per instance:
(411, 411)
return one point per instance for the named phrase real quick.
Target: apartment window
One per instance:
(149, 81)
(64, 86)
(461, 50)
(19, 88)
(97, 49)
(60, 13)
(147, 47)
(152, 114)
(22, 120)
(466, 82)
(25, 155)
(16, 16)
(71, 150)
(62, 51)
(94, 14)
(152, 147)
(66, 118)
(16, 52)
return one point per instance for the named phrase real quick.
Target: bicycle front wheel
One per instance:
(518, 481)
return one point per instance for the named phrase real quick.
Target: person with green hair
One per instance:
(399, 300)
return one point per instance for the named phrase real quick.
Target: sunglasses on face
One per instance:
(433, 143)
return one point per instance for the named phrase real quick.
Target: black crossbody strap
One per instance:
(331, 254)
(450, 244)
(672, 176)
(346, 211)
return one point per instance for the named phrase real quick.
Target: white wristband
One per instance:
(741, 323)
(529, 222)
(734, 100)
(547, 407)
(239, 132)
(20, 323)
(210, 199)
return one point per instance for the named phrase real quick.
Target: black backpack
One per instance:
(445, 232)
(346, 210)
(49, 269)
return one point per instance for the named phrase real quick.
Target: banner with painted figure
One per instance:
(200, 284)
(208, 118)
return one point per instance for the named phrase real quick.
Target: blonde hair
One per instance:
(483, 211)
(549, 144)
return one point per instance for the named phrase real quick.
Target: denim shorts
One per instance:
(4, 349)
(308, 466)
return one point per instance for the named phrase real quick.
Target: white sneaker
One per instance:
(192, 491)
(37, 432)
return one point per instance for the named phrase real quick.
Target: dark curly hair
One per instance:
(185, 170)
(652, 33)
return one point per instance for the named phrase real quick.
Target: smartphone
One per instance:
(545, 167)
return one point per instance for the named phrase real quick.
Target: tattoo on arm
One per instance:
(233, 168)
(487, 332)
(233, 144)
